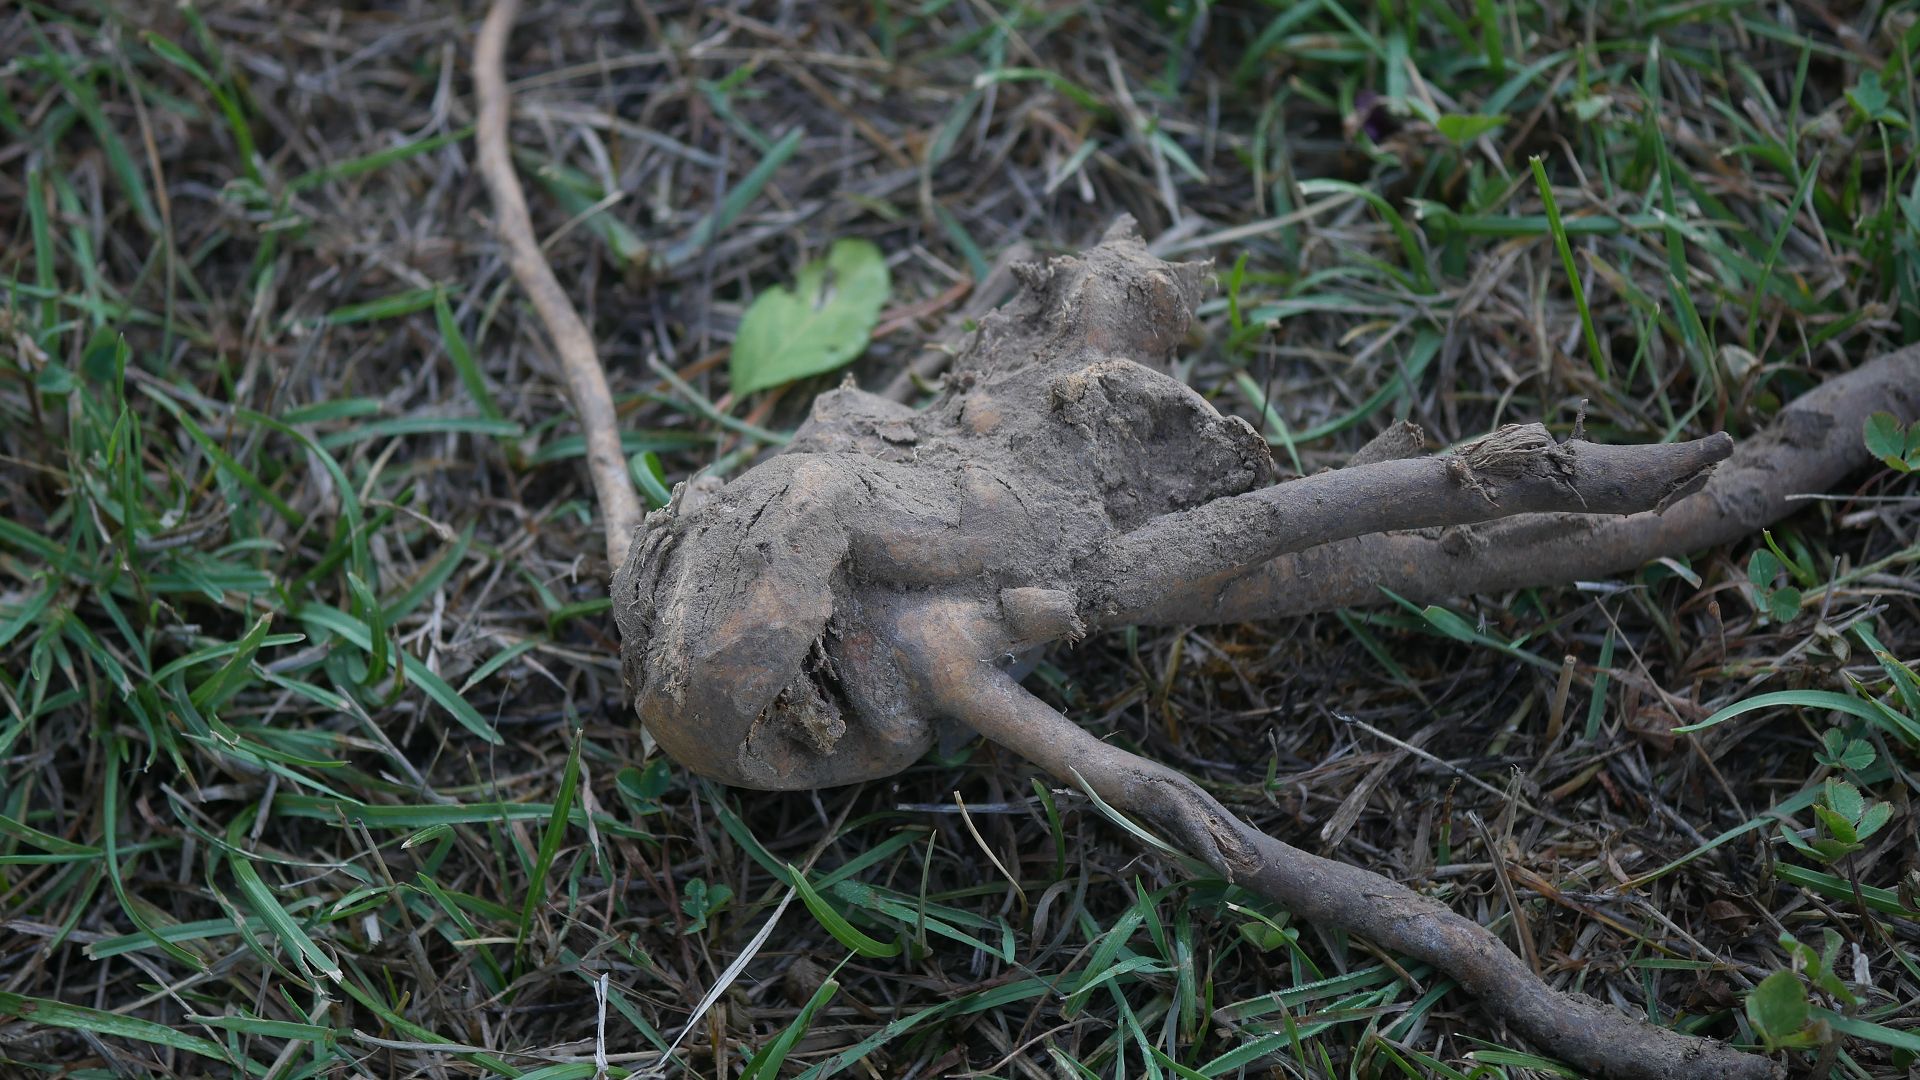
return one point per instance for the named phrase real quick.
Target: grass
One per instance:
(313, 759)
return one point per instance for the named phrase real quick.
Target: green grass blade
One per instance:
(462, 357)
(836, 924)
(1559, 229)
(40, 1011)
(550, 840)
(279, 923)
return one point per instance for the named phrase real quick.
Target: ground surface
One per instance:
(302, 601)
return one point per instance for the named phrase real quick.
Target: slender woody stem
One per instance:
(1809, 447)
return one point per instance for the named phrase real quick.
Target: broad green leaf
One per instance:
(641, 788)
(1778, 1008)
(1874, 819)
(1832, 741)
(1840, 827)
(1845, 800)
(1784, 603)
(1872, 102)
(702, 900)
(1831, 850)
(1859, 755)
(1763, 567)
(824, 321)
(1840, 752)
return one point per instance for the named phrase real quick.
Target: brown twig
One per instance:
(579, 361)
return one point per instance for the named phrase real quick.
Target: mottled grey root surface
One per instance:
(819, 619)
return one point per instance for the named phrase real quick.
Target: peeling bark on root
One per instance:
(818, 619)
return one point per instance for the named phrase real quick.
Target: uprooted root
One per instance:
(1808, 448)
(1062, 479)
(810, 623)
(814, 621)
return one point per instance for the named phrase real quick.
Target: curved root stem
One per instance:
(1516, 470)
(1585, 1033)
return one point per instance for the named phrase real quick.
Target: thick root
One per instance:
(1811, 446)
(1518, 469)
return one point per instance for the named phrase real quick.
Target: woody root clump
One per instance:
(818, 620)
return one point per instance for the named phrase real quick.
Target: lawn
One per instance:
(314, 756)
